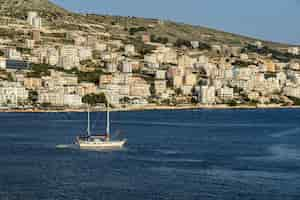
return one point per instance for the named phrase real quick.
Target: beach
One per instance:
(153, 107)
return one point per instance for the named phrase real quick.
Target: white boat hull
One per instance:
(101, 144)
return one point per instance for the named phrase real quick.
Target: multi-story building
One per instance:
(53, 97)
(12, 54)
(32, 83)
(225, 93)
(293, 50)
(30, 16)
(2, 63)
(12, 93)
(185, 61)
(160, 86)
(68, 57)
(207, 95)
(186, 89)
(52, 56)
(72, 100)
(292, 91)
(37, 22)
(129, 49)
(111, 67)
(190, 79)
(85, 53)
(139, 87)
(91, 40)
(254, 96)
(34, 20)
(67, 79)
(242, 73)
(29, 44)
(146, 38)
(69, 62)
(126, 67)
(87, 88)
(100, 46)
(36, 35)
(195, 44)
(160, 74)
(177, 81)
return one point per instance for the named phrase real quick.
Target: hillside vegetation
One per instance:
(61, 18)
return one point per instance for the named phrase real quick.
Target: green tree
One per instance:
(152, 89)
(93, 99)
(194, 100)
(125, 100)
(232, 103)
(33, 97)
(10, 77)
(134, 30)
(182, 42)
(178, 91)
(39, 70)
(295, 100)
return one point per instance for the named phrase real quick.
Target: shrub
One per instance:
(182, 42)
(134, 30)
(295, 100)
(163, 40)
(232, 103)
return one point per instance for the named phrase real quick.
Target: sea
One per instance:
(170, 155)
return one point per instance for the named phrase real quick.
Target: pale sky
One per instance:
(275, 20)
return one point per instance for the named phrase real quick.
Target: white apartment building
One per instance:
(207, 95)
(129, 49)
(29, 44)
(111, 67)
(54, 97)
(34, 20)
(195, 44)
(186, 89)
(85, 53)
(68, 57)
(126, 67)
(69, 62)
(139, 87)
(292, 91)
(12, 93)
(72, 100)
(293, 50)
(160, 74)
(2, 63)
(225, 93)
(12, 54)
(160, 86)
(30, 16)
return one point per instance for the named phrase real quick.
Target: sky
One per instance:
(274, 20)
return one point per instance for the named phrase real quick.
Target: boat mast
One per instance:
(107, 123)
(88, 127)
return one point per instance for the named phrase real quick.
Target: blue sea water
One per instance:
(191, 154)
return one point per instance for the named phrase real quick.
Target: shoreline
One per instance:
(153, 108)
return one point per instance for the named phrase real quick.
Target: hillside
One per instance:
(18, 8)
(61, 18)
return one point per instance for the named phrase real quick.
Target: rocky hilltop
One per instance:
(18, 8)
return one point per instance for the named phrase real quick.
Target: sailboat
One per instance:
(99, 141)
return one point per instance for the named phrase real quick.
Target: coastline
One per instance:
(153, 108)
